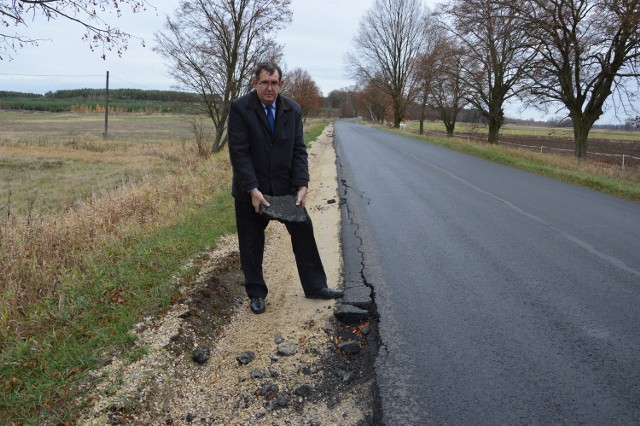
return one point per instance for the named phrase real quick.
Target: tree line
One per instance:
(568, 56)
(93, 100)
(98, 94)
(572, 57)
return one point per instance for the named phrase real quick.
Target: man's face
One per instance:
(268, 86)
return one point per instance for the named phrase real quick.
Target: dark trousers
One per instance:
(251, 228)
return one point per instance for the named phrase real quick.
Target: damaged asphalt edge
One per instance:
(358, 303)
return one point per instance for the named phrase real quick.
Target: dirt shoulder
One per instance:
(281, 367)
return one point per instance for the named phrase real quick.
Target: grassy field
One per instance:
(530, 130)
(49, 162)
(94, 235)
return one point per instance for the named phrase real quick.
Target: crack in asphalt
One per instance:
(352, 222)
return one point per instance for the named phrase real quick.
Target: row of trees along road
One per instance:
(570, 55)
(212, 47)
(567, 55)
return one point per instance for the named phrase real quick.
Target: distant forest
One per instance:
(93, 100)
(174, 102)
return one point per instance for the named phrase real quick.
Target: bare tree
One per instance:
(301, 88)
(375, 102)
(587, 50)
(426, 76)
(447, 93)
(388, 45)
(497, 54)
(212, 46)
(344, 101)
(18, 14)
(428, 70)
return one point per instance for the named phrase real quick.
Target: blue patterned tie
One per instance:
(270, 119)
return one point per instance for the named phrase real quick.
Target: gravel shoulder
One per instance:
(209, 360)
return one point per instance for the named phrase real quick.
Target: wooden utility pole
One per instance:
(106, 111)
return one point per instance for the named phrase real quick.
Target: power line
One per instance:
(129, 82)
(76, 76)
(52, 75)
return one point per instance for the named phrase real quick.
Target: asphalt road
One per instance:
(504, 297)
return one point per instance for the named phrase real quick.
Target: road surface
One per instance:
(504, 297)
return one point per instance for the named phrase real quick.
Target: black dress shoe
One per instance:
(326, 293)
(257, 305)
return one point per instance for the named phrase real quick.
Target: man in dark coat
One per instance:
(268, 156)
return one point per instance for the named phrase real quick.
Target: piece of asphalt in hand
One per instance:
(283, 208)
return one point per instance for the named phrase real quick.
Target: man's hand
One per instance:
(257, 198)
(301, 199)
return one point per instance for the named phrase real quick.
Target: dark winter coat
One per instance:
(275, 164)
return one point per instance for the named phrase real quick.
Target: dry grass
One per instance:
(75, 279)
(531, 130)
(54, 178)
(64, 198)
(40, 253)
(559, 162)
(49, 162)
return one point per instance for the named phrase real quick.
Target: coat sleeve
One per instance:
(240, 149)
(300, 166)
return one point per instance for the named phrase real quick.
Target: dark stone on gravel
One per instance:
(189, 418)
(268, 391)
(349, 314)
(349, 347)
(283, 208)
(346, 375)
(283, 401)
(201, 355)
(245, 358)
(243, 401)
(287, 349)
(278, 339)
(256, 374)
(328, 327)
(303, 391)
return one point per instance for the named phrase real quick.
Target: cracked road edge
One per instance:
(358, 303)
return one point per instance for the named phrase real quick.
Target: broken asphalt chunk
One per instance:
(349, 314)
(245, 358)
(201, 355)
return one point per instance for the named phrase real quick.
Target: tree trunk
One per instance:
(219, 140)
(448, 117)
(397, 118)
(398, 112)
(495, 123)
(450, 126)
(581, 133)
(582, 124)
(423, 110)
